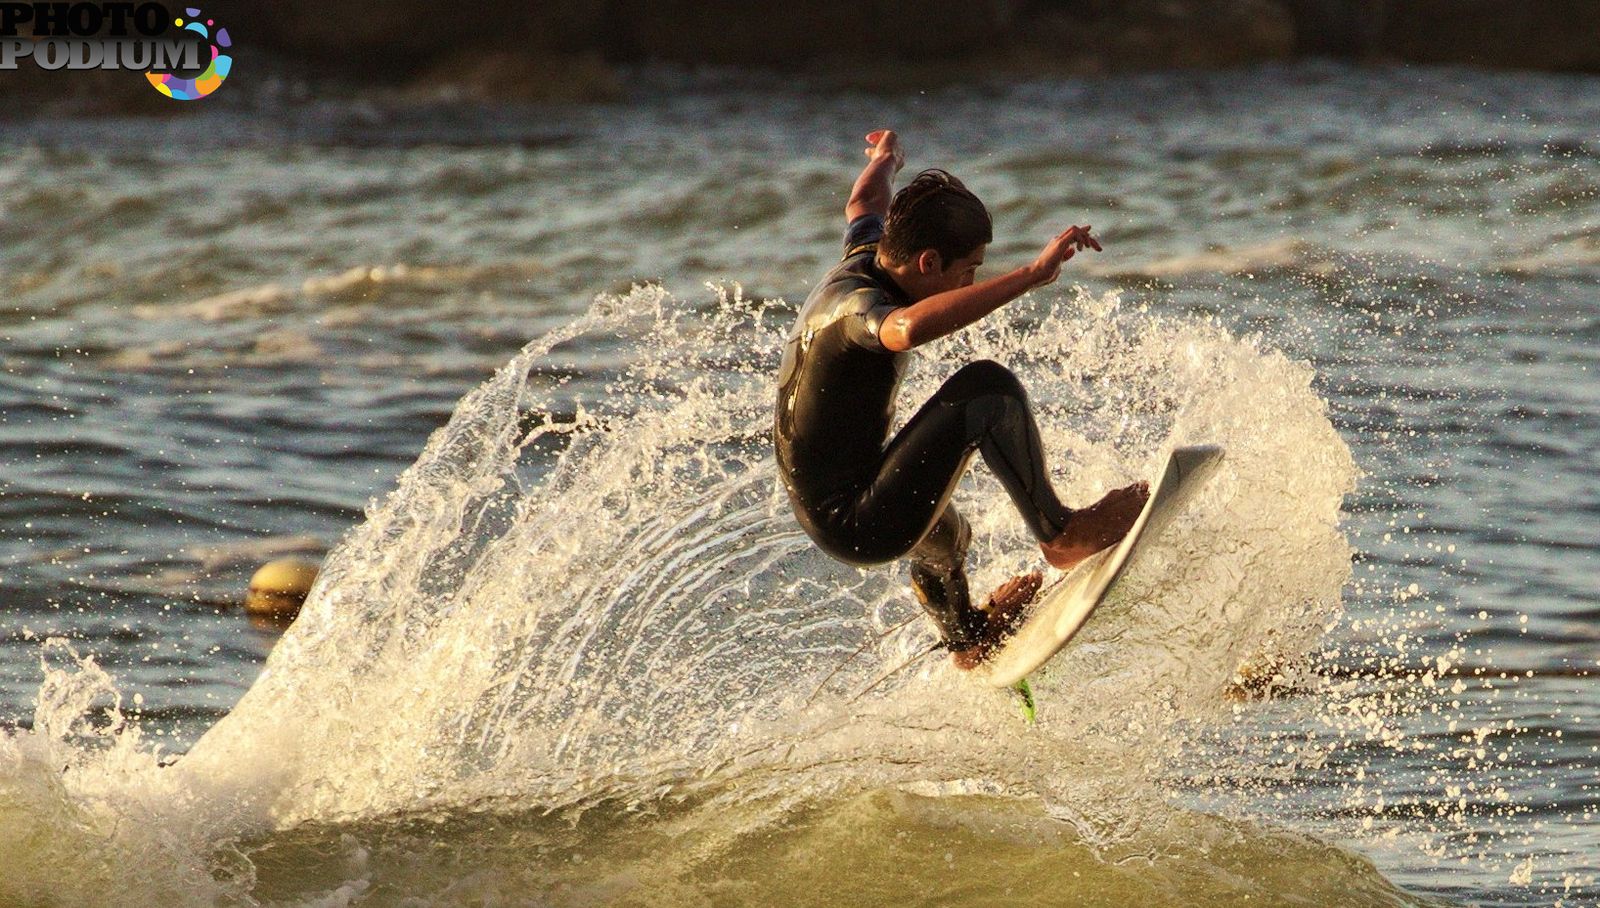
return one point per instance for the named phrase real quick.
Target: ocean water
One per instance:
(509, 373)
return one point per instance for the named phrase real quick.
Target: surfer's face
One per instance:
(963, 271)
(933, 275)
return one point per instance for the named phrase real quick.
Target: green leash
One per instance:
(1028, 711)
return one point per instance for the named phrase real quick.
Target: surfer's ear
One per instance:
(930, 262)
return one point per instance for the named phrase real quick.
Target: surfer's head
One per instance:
(935, 236)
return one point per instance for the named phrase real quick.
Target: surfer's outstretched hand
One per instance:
(883, 143)
(1047, 267)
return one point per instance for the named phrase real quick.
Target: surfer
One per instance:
(908, 277)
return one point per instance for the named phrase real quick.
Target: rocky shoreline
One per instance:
(563, 50)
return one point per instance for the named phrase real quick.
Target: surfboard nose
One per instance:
(1193, 459)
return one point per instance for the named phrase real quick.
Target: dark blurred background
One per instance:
(586, 50)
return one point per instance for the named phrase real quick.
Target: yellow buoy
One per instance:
(278, 588)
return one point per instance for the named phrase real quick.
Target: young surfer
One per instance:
(908, 277)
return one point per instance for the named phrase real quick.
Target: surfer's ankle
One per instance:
(1077, 540)
(969, 658)
(1064, 555)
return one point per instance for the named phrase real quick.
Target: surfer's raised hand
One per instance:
(875, 187)
(1067, 243)
(883, 143)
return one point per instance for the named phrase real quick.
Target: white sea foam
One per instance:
(87, 815)
(642, 616)
(647, 611)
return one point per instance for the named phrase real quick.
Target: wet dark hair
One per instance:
(934, 211)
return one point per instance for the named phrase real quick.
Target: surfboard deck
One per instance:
(1062, 608)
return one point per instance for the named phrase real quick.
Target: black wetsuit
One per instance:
(866, 502)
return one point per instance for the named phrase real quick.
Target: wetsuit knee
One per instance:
(982, 379)
(990, 395)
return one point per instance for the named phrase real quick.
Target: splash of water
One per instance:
(575, 597)
(636, 612)
(85, 810)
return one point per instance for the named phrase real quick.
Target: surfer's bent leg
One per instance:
(982, 408)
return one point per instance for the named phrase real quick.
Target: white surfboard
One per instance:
(1063, 608)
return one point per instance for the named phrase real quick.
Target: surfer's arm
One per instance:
(945, 313)
(875, 187)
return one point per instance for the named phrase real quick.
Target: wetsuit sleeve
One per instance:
(863, 231)
(863, 314)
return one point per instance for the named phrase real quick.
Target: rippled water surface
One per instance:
(572, 655)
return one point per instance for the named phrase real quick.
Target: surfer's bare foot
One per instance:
(1097, 526)
(1006, 608)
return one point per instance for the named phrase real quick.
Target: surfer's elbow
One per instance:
(897, 333)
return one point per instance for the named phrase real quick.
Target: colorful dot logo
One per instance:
(208, 81)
